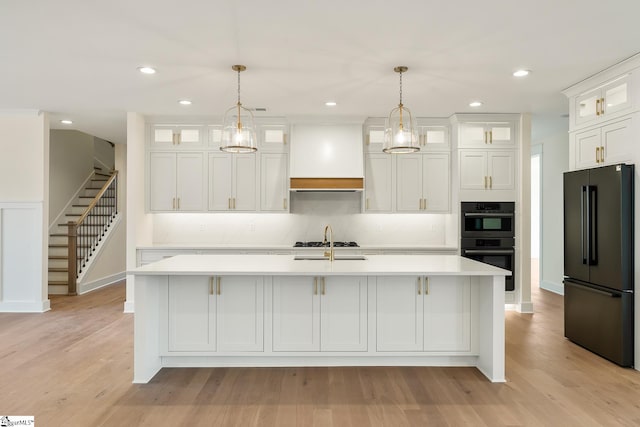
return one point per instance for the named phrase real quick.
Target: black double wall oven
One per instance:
(488, 235)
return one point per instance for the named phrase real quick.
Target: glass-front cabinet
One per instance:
(604, 101)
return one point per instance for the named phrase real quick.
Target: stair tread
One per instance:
(58, 257)
(59, 269)
(58, 235)
(64, 245)
(58, 282)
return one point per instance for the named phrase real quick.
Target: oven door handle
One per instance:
(488, 251)
(490, 215)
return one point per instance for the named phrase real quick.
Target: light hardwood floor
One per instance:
(72, 367)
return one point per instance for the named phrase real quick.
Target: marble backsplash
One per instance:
(310, 212)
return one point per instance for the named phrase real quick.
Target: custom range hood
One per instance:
(326, 157)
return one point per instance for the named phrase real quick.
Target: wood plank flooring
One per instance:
(72, 366)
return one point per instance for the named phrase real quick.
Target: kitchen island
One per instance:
(272, 310)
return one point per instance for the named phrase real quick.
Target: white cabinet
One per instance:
(191, 314)
(274, 182)
(232, 182)
(433, 134)
(176, 136)
(240, 313)
(176, 181)
(423, 313)
(374, 135)
(319, 313)
(605, 145)
(378, 182)
(487, 135)
(603, 102)
(207, 314)
(422, 182)
(487, 170)
(273, 137)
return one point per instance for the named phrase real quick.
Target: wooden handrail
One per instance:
(98, 197)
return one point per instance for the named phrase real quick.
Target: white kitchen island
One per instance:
(272, 310)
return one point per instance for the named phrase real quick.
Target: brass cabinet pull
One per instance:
(597, 107)
(425, 204)
(601, 154)
(419, 285)
(174, 203)
(315, 286)
(426, 286)
(229, 202)
(234, 203)
(490, 137)
(219, 285)
(485, 182)
(366, 203)
(173, 139)
(485, 136)
(367, 139)
(597, 154)
(178, 203)
(490, 182)
(284, 203)
(211, 286)
(601, 106)
(324, 287)
(284, 138)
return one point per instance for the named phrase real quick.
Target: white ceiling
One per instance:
(78, 58)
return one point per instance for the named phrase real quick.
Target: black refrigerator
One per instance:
(598, 261)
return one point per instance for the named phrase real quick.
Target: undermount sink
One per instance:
(335, 258)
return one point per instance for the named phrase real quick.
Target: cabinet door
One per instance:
(162, 181)
(399, 313)
(240, 313)
(473, 135)
(616, 142)
(473, 170)
(435, 184)
(501, 170)
(586, 106)
(189, 136)
(163, 136)
(274, 190)
(374, 137)
(586, 144)
(273, 137)
(244, 182)
(408, 182)
(616, 96)
(447, 313)
(189, 182)
(296, 314)
(434, 137)
(220, 181)
(215, 136)
(192, 320)
(343, 313)
(501, 134)
(378, 182)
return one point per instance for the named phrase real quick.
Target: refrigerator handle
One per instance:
(593, 225)
(583, 222)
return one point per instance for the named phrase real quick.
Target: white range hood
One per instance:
(326, 157)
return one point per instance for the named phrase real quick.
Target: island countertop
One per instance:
(373, 265)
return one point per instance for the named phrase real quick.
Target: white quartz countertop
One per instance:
(374, 265)
(290, 247)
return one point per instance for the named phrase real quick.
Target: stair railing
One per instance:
(86, 232)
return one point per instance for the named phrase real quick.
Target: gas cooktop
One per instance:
(322, 245)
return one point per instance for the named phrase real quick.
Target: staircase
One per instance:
(58, 276)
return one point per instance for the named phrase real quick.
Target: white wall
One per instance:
(109, 264)
(103, 152)
(555, 161)
(24, 172)
(70, 164)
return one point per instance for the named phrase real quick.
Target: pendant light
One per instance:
(400, 133)
(238, 130)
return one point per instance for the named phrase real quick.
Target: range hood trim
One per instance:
(326, 184)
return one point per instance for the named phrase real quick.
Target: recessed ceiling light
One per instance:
(184, 102)
(330, 103)
(147, 70)
(521, 73)
(66, 122)
(475, 104)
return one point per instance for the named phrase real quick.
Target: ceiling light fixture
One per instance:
(521, 73)
(475, 104)
(238, 130)
(330, 103)
(184, 102)
(66, 122)
(147, 70)
(400, 133)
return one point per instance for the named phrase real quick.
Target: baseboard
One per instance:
(83, 288)
(25, 306)
(128, 307)
(552, 287)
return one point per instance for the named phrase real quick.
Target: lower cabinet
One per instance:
(319, 313)
(215, 313)
(423, 313)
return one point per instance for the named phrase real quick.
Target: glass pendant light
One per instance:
(238, 130)
(400, 133)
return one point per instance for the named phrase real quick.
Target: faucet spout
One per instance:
(330, 252)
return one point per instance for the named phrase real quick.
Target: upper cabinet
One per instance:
(604, 102)
(374, 135)
(273, 136)
(433, 134)
(487, 135)
(176, 182)
(176, 136)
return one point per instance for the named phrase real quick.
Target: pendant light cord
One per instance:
(239, 126)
